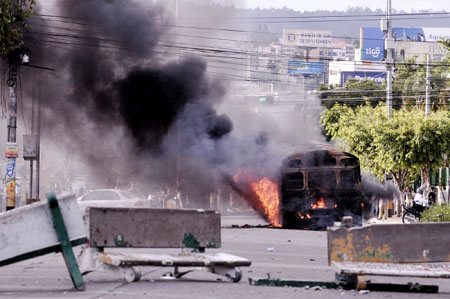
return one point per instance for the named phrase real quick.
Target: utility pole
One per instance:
(38, 142)
(33, 102)
(12, 151)
(389, 45)
(428, 88)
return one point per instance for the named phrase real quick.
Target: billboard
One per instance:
(372, 39)
(307, 38)
(302, 67)
(405, 50)
(378, 77)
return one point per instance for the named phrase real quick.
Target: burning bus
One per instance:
(319, 186)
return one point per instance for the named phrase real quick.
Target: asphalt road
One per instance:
(275, 253)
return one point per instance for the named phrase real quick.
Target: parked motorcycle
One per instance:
(412, 214)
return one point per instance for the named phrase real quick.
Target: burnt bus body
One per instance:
(319, 187)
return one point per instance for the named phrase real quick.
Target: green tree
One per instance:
(404, 146)
(13, 15)
(446, 43)
(353, 93)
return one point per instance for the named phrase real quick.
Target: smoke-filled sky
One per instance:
(127, 109)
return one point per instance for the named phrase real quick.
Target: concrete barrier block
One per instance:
(390, 243)
(153, 228)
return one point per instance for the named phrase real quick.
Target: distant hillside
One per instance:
(347, 24)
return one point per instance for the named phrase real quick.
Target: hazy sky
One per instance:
(302, 5)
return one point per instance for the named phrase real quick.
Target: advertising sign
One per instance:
(302, 67)
(378, 77)
(307, 38)
(372, 39)
(372, 43)
(407, 50)
(10, 182)
(12, 150)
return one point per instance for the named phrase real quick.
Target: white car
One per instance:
(111, 198)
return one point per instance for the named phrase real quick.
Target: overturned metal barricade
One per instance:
(50, 226)
(191, 230)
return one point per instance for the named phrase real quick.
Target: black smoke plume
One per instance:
(124, 111)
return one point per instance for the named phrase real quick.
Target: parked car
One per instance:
(111, 198)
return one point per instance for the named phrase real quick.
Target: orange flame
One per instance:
(307, 215)
(320, 204)
(267, 192)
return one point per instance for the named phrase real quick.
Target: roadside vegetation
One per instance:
(436, 214)
(13, 15)
(408, 145)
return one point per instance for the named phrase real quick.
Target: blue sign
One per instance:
(378, 77)
(10, 166)
(372, 43)
(302, 67)
(372, 40)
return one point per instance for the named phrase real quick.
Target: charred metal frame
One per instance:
(310, 198)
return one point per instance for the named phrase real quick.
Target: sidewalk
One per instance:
(391, 220)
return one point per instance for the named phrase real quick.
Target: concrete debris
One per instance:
(317, 288)
(364, 292)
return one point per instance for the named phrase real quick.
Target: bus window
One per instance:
(321, 160)
(294, 163)
(323, 179)
(294, 181)
(349, 179)
(349, 162)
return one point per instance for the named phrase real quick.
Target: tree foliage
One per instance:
(402, 146)
(353, 93)
(12, 24)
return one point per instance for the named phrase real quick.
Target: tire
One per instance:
(409, 218)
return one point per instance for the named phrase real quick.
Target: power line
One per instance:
(219, 50)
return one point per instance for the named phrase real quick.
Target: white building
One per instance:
(341, 71)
